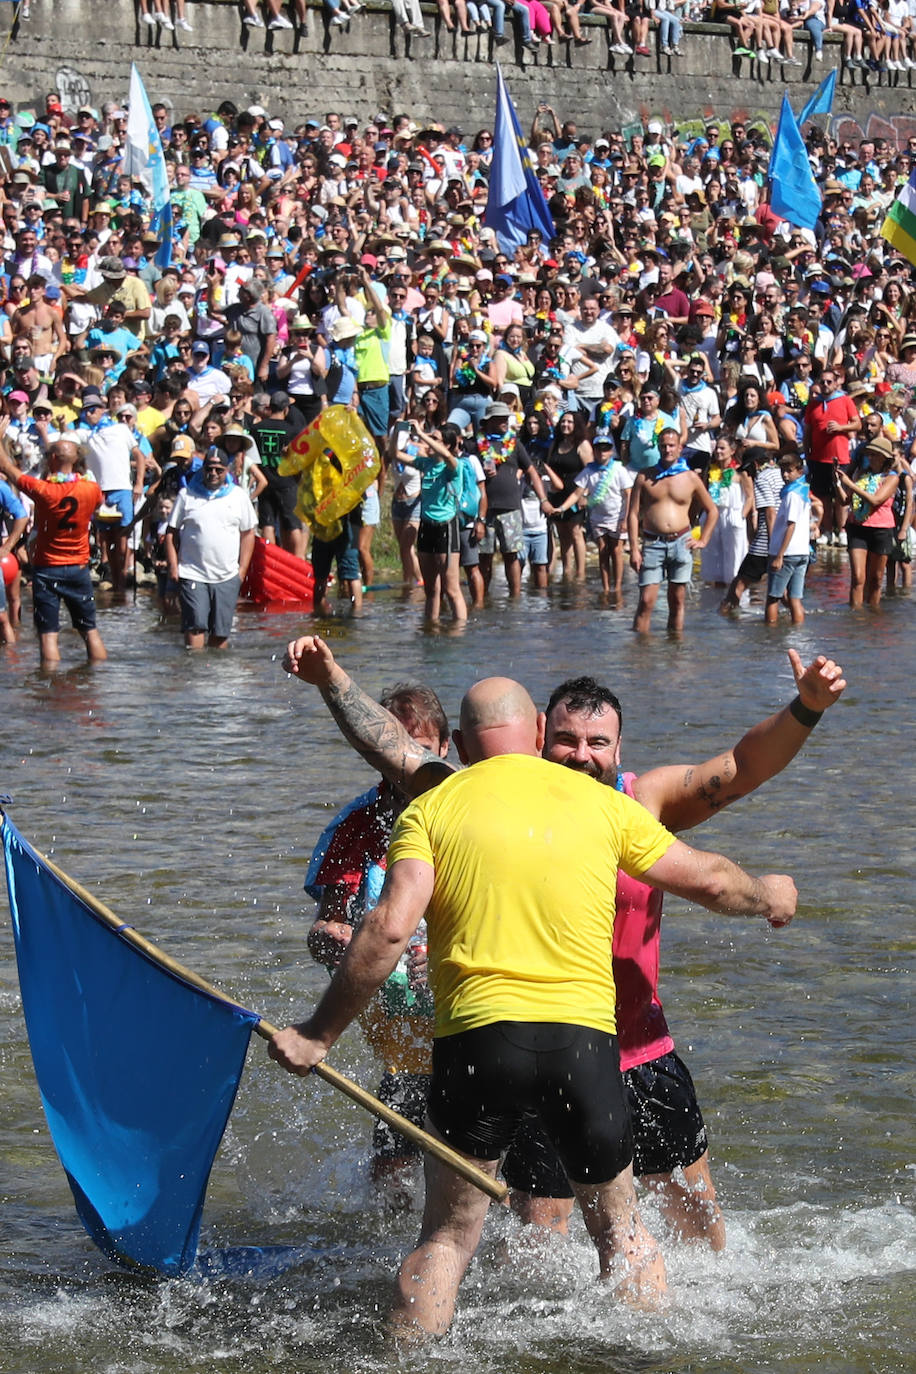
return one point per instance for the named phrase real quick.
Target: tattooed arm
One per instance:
(372, 731)
(686, 795)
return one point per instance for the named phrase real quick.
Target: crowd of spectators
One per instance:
(877, 35)
(346, 261)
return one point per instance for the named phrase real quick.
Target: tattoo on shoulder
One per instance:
(375, 734)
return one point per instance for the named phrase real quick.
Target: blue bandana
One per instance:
(800, 485)
(680, 466)
(198, 487)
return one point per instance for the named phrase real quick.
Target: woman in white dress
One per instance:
(730, 490)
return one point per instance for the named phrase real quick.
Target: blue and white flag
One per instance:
(794, 193)
(515, 201)
(822, 100)
(143, 159)
(137, 1068)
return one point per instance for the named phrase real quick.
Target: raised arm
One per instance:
(8, 468)
(369, 728)
(682, 796)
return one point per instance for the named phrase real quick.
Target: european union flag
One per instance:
(144, 159)
(137, 1068)
(822, 100)
(793, 191)
(515, 201)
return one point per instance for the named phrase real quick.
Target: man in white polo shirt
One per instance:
(208, 547)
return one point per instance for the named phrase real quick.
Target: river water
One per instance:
(188, 791)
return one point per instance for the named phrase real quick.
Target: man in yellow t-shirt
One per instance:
(497, 857)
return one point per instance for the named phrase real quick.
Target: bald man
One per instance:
(495, 857)
(64, 507)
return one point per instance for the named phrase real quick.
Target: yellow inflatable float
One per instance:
(336, 459)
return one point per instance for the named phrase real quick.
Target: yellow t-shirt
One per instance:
(520, 924)
(149, 419)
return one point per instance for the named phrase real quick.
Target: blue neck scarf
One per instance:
(680, 466)
(800, 485)
(198, 487)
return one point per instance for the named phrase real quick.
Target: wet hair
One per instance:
(418, 709)
(583, 695)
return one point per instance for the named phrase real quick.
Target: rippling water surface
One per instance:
(187, 792)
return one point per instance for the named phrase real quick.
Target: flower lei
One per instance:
(606, 411)
(870, 482)
(554, 370)
(464, 372)
(496, 448)
(68, 477)
(720, 480)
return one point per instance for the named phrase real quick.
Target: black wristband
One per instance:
(803, 714)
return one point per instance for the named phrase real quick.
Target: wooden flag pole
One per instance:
(491, 1186)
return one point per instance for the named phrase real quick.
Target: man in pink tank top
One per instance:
(670, 1152)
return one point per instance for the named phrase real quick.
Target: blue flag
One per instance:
(822, 100)
(144, 159)
(793, 191)
(137, 1069)
(515, 201)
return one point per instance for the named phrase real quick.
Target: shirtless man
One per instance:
(583, 732)
(659, 515)
(42, 325)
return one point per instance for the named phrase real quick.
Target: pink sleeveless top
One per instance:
(642, 1031)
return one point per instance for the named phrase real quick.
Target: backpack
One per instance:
(468, 490)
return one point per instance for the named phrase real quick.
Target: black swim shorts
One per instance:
(667, 1125)
(407, 1094)
(487, 1081)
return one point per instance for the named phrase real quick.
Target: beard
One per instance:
(587, 766)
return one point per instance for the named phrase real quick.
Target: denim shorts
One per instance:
(69, 584)
(535, 550)
(663, 558)
(790, 577)
(370, 509)
(408, 511)
(343, 549)
(124, 500)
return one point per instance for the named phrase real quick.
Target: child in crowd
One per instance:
(603, 488)
(789, 543)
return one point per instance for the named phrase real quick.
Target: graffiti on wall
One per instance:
(896, 129)
(760, 120)
(73, 89)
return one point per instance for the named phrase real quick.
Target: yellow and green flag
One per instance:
(899, 227)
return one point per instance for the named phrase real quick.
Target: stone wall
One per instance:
(85, 50)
